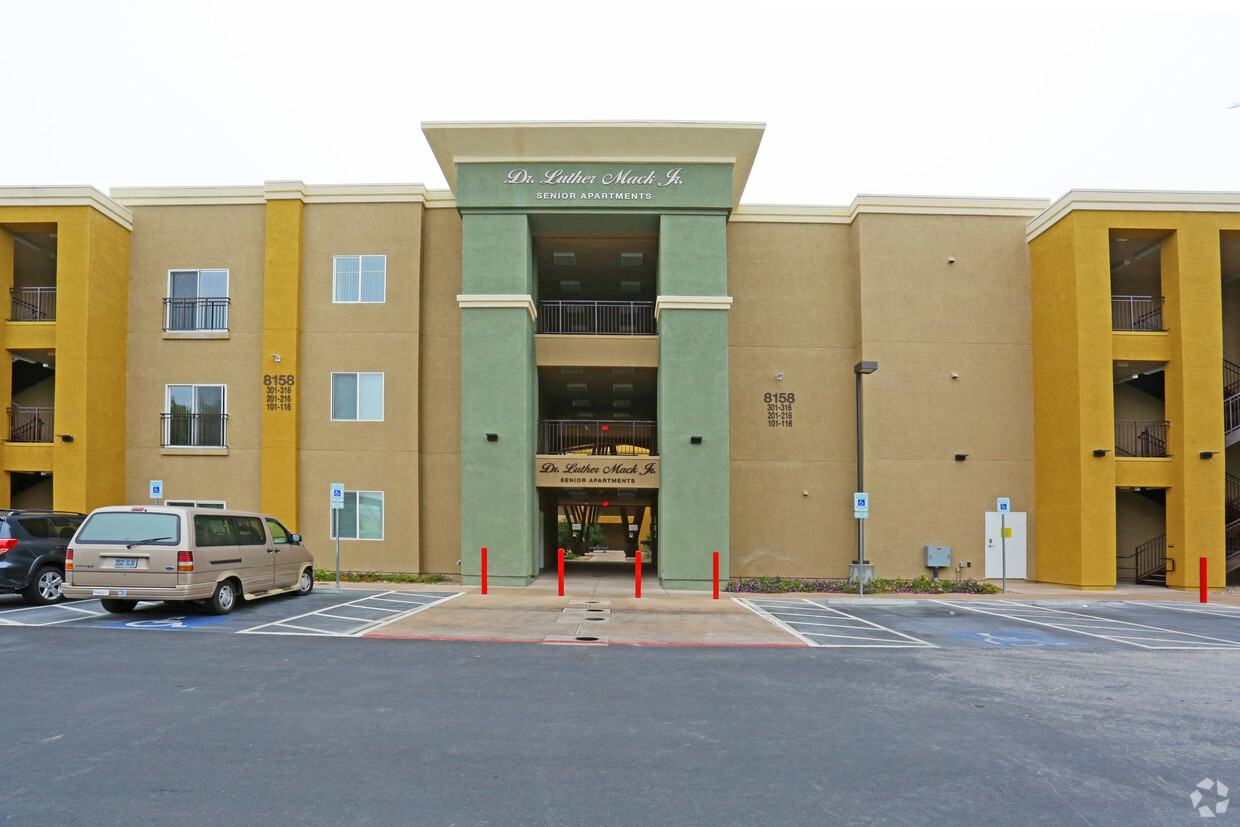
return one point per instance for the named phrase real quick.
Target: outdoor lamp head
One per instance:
(865, 367)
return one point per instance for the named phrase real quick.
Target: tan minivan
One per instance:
(124, 554)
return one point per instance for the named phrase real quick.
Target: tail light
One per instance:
(68, 559)
(185, 561)
(5, 545)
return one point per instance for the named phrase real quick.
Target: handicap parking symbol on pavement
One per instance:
(167, 624)
(1015, 640)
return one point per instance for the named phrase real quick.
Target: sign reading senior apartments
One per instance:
(577, 185)
(594, 471)
(611, 185)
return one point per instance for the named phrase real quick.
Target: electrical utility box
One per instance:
(938, 556)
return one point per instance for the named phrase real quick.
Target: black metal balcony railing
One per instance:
(597, 437)
(1140, 438)
(189, 430)
(32, 304)
(31, 424)
(1136, 312)
(195, 314)
(596, 318)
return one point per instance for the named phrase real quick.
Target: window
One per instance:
(279, 534)
(195, 417)
(197, 300)
(197, 503)
(360, 279)
(361, 518)
(357, 396)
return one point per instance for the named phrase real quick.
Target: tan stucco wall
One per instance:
(440, 400)
(196, 237)
(368, 337)
(810, 301)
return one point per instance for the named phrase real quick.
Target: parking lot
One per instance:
(816, 622)
(324, 613)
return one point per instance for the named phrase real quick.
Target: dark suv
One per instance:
(32, 552)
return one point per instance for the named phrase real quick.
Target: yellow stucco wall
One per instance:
(282, 284)
(1074, 397)
(87, 342)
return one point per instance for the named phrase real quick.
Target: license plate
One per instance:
(125, 563)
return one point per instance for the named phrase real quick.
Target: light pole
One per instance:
(860, 369)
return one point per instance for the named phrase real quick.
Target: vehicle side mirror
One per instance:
(295, 539)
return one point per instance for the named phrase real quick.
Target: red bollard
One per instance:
(561, 572)
(484, 569)
(1204, 580)
(638, 581)
(716, 554)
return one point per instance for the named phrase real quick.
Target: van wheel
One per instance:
(306, 584)
(118, 607)
(224, 599)
(45, 588)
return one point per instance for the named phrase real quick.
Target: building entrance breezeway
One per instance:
(602, 530)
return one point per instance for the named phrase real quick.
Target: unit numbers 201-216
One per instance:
(278, 390)
(779, 409)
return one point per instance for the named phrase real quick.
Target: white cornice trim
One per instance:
(887, 204)
(1131, 201)
(277, 190)
(67, 196)
(481, 300)
(691, 303)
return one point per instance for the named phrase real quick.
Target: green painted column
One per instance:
(499, 501)
(693, 399)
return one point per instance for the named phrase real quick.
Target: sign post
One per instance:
(157, 490)
(337, 503)
(1005, 508)
(861, 512)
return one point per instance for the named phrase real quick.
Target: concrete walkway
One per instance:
(599, 606)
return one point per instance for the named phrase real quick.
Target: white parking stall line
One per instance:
(1199, 608)
(1118, 631)
(76, 613)
(770, 618)
(413, 611)
(289, 626)
(870, 635)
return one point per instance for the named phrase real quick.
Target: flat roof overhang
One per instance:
(674, 142)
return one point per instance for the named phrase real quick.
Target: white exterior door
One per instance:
(1016, 556)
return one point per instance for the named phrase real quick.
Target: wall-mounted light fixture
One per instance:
(1101, 452)
(779, 377)
(695, 440)
(492, 437)
(961, 457)
(1208, 454)
(65, 437)
(275, 356)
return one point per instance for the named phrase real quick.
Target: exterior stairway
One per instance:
(1231, 402)
(1232, 512)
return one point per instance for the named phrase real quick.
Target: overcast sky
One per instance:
(995, 98)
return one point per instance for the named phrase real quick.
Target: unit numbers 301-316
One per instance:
(779, 409)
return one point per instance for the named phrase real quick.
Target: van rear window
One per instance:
(130, 527)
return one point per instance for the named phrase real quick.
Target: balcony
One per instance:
(31, 424)
(195, 315)
(1140, 438)
(194, 430)
(32, 304)
(597, 437)
(1137, 313)
(596, 318)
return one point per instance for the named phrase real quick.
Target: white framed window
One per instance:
(361, 518)
(357, 397)
(359, 279)
(195, 417)
(197, 300)
(197, 503)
